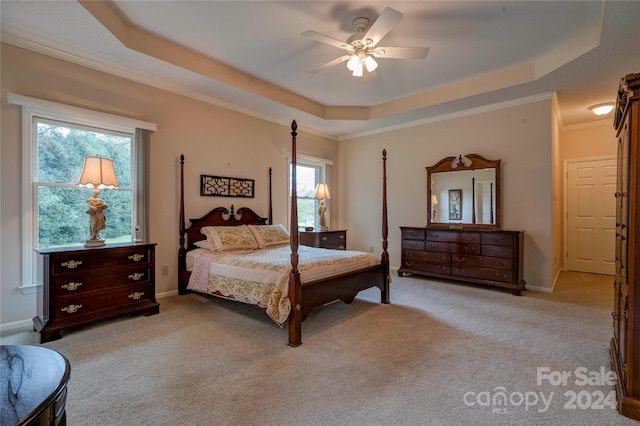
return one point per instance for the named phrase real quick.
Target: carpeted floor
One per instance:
(439, 354)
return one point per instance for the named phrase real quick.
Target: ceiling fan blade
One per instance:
(369, 76)
(326, 39)
(382, 25)
(330, 64)
(401, 52)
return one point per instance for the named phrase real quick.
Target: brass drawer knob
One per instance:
(71, 309)
(137, 295)
(136, 257)
(324, 238)
(71, 286)
(72, 264)
(136, 276)
(341, 236)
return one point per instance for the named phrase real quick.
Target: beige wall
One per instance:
(520, 136)
(214, 141)
(593, 141)
(589, 141)
(556, 195)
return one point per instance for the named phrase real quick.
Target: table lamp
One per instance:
(97, 173)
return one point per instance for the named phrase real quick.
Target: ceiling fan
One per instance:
(362, 46)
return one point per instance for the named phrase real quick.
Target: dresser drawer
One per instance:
(502, 275)
(332, 238)
(87, 261)
(453, 247)
(497, 251)
(480, 261)
(413, 234)
(454, 237)
(497, 239)
(63, 286)
(72, 308)
(413, 244)
(423, 266)
(336, 240)
(427, 256)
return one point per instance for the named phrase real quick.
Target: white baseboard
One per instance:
(16, 326)
(538, 288)
(166, 294)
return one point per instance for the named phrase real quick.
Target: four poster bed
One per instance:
(242, 256)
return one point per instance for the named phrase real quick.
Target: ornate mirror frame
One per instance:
(465, 163)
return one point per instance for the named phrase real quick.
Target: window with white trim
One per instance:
(310, 171)
(56, 138)
(60, 218)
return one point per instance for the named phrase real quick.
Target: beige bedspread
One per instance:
(261, 277)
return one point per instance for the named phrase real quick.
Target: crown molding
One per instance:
(143, 79)
(454, 115)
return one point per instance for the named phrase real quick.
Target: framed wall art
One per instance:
(220, 186)
(455, 204)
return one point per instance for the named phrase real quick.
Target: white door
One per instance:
(591, 216)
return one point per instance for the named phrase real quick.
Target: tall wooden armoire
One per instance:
(625, 344)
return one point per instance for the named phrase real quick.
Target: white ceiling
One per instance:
(484, 54)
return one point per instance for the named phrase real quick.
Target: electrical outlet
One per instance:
(164, 269)
(370, 249)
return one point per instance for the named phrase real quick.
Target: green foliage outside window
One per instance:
(307, 179)
(62, 206)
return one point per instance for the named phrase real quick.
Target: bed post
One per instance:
(270, 222)
(384, 296)
(295, 288)
(182, 252)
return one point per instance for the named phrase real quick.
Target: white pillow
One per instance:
(203, 244)
(225, 238)
(269, 235)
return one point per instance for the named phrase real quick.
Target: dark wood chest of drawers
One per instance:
(625, 342)
(336, 240)
(81, 285)
(483, 257)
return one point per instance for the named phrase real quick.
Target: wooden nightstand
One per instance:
(336, 240)
(81, 285)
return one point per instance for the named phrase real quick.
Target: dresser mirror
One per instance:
(464, 193)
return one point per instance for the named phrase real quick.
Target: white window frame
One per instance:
(32, 108)
(308, 160)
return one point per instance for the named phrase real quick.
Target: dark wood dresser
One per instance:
(625, 344)
(336, 240)
(490, 257)
(81, 285)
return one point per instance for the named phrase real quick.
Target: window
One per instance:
(56, 138)
(60, 150)
(309, 172)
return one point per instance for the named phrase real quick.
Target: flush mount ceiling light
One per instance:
(362, 47)
(602, 109)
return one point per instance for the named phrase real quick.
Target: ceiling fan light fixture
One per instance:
(370, 63)
(357, 72)
(353, 63)
(602, 109)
